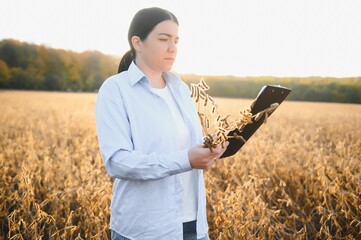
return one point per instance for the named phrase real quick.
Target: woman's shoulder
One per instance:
(115, 80)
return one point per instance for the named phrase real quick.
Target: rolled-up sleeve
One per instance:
(116, 145)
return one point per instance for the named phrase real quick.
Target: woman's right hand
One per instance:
(203, 158)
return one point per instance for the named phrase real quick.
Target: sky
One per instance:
(217, 37)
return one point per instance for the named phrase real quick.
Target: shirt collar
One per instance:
(135, 75)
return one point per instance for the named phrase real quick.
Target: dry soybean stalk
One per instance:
(216, 127)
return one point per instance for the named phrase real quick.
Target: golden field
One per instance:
(298, 177)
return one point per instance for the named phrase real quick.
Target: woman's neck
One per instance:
(155, 77)
(156, 80)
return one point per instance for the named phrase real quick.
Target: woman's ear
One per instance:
(137, 43)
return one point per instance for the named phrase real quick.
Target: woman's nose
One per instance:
(172, 46)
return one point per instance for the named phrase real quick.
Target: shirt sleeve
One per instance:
(116, 147)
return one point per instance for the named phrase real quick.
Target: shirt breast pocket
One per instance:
(152, 129)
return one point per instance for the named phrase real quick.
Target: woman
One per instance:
(150, 138)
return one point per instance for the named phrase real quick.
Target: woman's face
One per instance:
(159, 50)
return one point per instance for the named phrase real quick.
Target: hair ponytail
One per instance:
(125, 61)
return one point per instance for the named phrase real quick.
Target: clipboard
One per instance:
(268, 95)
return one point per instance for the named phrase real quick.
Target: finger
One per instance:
(211, 163)
(224, 148)
(211, 159)
(217, 150)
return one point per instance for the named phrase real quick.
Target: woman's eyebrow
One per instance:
(166, 34)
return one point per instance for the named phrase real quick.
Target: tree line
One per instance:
(318, 89)
(37, 67)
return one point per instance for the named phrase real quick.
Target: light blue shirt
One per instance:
(138, 145)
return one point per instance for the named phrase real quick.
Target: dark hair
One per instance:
(142, 24)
